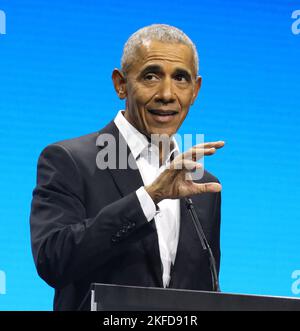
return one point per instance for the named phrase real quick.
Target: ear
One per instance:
(119, 83)
(197, 88)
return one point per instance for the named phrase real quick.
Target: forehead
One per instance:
(167, 55)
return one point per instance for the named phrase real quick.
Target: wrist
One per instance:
(153, 193)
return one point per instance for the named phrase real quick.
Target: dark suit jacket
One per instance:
(87, 226)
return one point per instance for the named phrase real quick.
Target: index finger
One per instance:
(198, 151)
(213, 144)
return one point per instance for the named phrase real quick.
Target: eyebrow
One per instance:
(155, 68)
(151, 68)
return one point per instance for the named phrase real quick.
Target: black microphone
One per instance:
(204, 243)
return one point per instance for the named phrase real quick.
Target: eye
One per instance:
(181, 78)
(150, 77)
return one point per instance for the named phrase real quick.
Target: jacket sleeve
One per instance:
(67, 245)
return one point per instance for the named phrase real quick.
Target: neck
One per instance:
(164, 142)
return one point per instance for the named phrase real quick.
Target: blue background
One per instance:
(56, 61)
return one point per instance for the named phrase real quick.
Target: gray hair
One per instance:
(159, 32)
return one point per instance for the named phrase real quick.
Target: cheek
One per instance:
(184, 96)
(137, 100)
(144, 95)
(136, 94)
(188, 97)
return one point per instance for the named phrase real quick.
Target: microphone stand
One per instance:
(204, 243)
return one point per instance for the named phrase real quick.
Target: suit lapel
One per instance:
(124, 171)
(127, 181)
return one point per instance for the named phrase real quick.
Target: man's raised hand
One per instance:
(176, 181)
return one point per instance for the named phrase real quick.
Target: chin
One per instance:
(161, 131)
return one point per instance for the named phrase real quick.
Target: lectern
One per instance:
(107, 297)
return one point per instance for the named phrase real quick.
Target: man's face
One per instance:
(160, 86)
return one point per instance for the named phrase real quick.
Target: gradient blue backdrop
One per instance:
(55, 67)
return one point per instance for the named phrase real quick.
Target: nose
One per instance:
(165, 93)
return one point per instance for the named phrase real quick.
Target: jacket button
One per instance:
(114, 239)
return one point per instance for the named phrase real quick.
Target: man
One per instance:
(129, 225)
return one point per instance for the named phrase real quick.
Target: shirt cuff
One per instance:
(147, 204)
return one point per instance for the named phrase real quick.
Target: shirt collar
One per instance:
(136, 141)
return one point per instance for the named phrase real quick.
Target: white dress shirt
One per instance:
(167, 220)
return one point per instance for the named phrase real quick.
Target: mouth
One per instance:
(163, 115)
